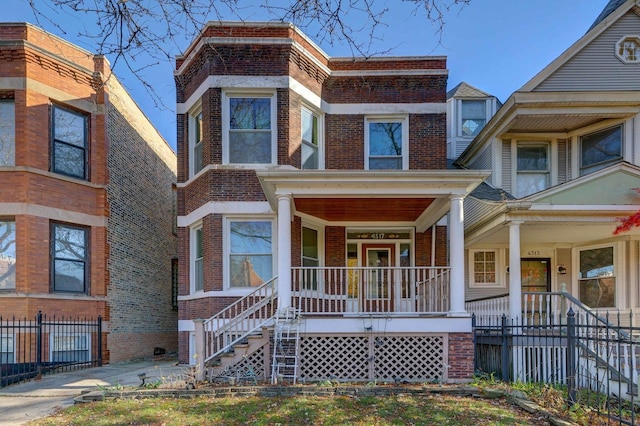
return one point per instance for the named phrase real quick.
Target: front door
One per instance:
(535, 275)
(378, 280)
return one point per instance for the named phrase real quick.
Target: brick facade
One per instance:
(125, 202)
(281, 61)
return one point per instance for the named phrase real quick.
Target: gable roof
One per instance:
(608, 10)
(465, 90)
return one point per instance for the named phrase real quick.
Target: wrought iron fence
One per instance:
(31, 348)
(598, 362)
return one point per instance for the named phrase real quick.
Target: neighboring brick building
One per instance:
(329, 174)
(87, 196)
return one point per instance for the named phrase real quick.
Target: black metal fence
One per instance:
(597, 361)
(31, 348)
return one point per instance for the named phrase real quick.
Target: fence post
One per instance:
(505, 350)
(475, 356)
(99, 340)
(39, 345)
(571, 357)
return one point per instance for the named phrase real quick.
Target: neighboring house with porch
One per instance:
(86, 206)
(563, 151)
(318, 184)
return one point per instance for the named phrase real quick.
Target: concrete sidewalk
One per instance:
(24, 402)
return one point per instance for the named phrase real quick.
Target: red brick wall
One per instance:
(385, 89)
(335, 239)
(344, 144)
(460, 356)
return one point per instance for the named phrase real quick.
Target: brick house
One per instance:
(318, 184)
(87, 190)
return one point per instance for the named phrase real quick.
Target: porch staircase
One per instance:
(235, 333)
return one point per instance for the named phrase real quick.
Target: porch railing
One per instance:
(340, 290)
(241, 318)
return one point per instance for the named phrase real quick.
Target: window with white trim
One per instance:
(600, 149)
(7, 254)
(197, 259)
(70, 347)
(386, 143)
(311, 140)
(483, 267)
(70, 153)
(7, 349)
(532, 173)
(249, 128)
(250, 252)
(473, 116)
(310, 257)
(7, 133)
(196, 162)
(69, 258)
(597, 277)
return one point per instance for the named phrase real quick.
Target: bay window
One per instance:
(600, 149)
(532, 168)
(250, 252)
(70, 154)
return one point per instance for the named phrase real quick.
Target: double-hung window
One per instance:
(249, 133)
(7, 349)
(310, 257)
(473, 117)
(386, 142)
(70, 150)
(600, 149)
(195, 142)
(197, 259)
(69, 258)
(7, 254)
(310, 140)
(532, 168)
(597, 279)
(250, 252)
(7, 133)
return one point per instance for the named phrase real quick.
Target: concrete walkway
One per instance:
(24, 402)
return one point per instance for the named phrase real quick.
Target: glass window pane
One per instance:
(69, 160)
(7, 255)
(598, 293)
(7, 133)
(385, 163)
(199, 244)
(250, 113)
(528, 184)
(250, 271)
(199, 274)
(310, 243)
(309, 127)
(69, 275)
(532, 158)
(251, 237)
(250, 147)
(602, 146)
(69, 243)
(69, 127)
(473, 109)
(309, 156)
(596, 262)
(385, 138)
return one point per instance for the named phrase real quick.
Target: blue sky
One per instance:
(494, 45)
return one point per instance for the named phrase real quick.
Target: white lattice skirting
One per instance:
(370, 357)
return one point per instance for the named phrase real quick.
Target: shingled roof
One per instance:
(608, 10)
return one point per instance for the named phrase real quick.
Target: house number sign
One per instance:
(378, 235)
(533, 253)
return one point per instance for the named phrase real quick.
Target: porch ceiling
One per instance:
(363, 209)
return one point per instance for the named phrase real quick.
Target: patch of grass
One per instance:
(398, 409)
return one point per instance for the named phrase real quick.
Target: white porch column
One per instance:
(284, 251)
(515, 284)
(456, 256)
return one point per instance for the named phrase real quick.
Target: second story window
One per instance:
(197, 259)
(249, 135)
(7, 133)
(195, 142)
(69, 258)
(601, 149)
(386, 143)
(472, 117)
(533, 168)
(310, 140)
(69, 153)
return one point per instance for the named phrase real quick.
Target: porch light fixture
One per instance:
(562, 270)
